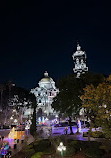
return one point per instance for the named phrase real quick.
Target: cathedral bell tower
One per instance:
(79, 58)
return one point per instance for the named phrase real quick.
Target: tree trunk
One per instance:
(1, 109)
(71, 131)
(33, 125)
(1, 100)
(6, 113)
(88, 136)
(89, 132)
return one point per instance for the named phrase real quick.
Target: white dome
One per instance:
(46, 82)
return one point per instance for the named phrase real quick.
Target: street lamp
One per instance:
(61, 147)
(15, 121)
(46, 119)
(11, 118)
(56, 116)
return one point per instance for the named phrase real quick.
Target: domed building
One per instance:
(47, 82)
(44, 94)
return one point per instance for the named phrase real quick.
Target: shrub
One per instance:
(97, 134)
(29, 152)
(70, 151)
(106, 146)
(37, 155)
(49, 150)
(85, 134)
(75, 144)
(55, 141)
(42, 145)
(26, 147)
(91, 149)
(72, 147)
(94, 153)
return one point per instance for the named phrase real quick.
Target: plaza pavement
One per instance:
(57, 131)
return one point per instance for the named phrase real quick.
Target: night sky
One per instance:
(40, 36)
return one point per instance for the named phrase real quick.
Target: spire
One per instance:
(78, 47)
(45, 74)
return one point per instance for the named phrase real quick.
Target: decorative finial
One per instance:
(78, 46)
(46, 74)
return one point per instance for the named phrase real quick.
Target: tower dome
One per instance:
(47, 82)
(46, 77)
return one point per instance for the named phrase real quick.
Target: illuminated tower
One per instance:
(79, 58)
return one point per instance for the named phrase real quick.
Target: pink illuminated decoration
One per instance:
(42, 121)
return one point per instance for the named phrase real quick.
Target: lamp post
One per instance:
(14, 110)
(61, 147)
(11, 118)
(15, 121)
(56, 118)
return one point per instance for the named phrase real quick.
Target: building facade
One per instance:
(44, 93)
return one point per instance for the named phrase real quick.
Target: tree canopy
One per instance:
(97, 102)
(68, 100)
(70, 89)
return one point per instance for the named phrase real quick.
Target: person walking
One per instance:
(66, 129)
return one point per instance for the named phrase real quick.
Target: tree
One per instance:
(67, 102)
(97, 102)
(34, 106)
(13, 97)
(19, 100)
(70, 89)
(2, 88)
(91, 78)
(88, 79)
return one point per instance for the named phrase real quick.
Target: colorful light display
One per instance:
(15, 134)
(4, 148)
